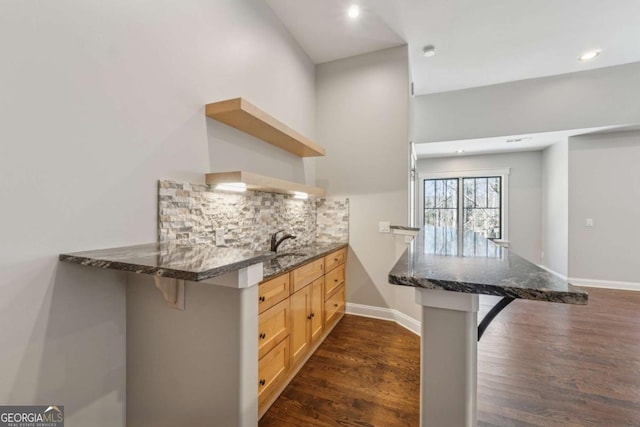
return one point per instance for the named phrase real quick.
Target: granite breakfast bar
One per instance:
(192, 354)
(449, 271)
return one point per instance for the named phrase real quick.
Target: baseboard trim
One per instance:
(607, 284)
(555, 273)
(383, 313)
(590, 283)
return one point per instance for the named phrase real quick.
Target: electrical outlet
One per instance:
(589, 222)
(408, 239)
(384, 227)
(220, 240)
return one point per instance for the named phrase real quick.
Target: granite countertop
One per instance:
(188, 262)
(286, 260)
(436, 259)
(197, 262)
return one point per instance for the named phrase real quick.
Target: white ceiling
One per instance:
(479, 42)
(325, 32)
(533, 142)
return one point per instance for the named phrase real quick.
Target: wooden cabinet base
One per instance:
(275, 393)
(273, 369)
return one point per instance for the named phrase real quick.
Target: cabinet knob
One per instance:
(263, 382)
(263, 336)
(335, 280)
(262, 298)
(309, 316)
(335, 305)
(336, 259)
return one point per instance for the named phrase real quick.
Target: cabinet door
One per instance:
(317, 305)
(300, 310)
(335, 259)
(333, 280)
(273, 326)
(272, 370)
(334, 307)
(302, 276)
(272, 292)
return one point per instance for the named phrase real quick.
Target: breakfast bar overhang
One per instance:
(449, 271)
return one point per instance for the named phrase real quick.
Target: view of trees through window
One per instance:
(478, 204)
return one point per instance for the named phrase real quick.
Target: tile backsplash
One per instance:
(190, 213)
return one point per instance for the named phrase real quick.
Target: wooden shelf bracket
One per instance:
(172, 291)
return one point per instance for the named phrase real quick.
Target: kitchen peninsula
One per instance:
(197, 364)
(449, 270)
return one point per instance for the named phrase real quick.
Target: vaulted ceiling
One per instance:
(478, 42)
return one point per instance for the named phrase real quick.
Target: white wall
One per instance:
(604, 184)
(362, 121)
(555, 207)
(524, 192)
(602, 97)
(99, 101)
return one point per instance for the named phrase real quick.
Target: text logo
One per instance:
(32, 416)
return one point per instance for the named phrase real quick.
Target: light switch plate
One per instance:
(384, 227)
(589, 222)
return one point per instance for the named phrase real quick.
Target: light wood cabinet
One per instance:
(297, 311)
(273, 369)
(334, 307)
(333, 280)
(300, 309)
(273, 327)
(316, 325)
(272, 292)
(306, 322)
(335, 259)
(302, 276)
(334, 288)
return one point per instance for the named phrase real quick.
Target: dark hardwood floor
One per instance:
(365, 373)
(539, 364)
(546, 364)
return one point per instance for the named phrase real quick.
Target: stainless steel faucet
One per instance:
(275, 242)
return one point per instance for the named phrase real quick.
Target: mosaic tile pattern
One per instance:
(190, 213)
(332, 220)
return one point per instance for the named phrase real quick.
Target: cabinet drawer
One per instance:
(272, 292)
(272, 370)
(333, 280)
(302, 276)
(335, 259)
(273, 326)
(334, 307)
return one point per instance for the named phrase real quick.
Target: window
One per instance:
(441, 202)
(472, 203)
(482, 205)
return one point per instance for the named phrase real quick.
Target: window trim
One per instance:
(477, 173)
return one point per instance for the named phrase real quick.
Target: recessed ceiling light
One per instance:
(459, 151)
(590, 55)
(429, 51)
(354, 11)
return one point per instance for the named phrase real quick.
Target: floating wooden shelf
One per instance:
(248, 118)
(262, 183)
